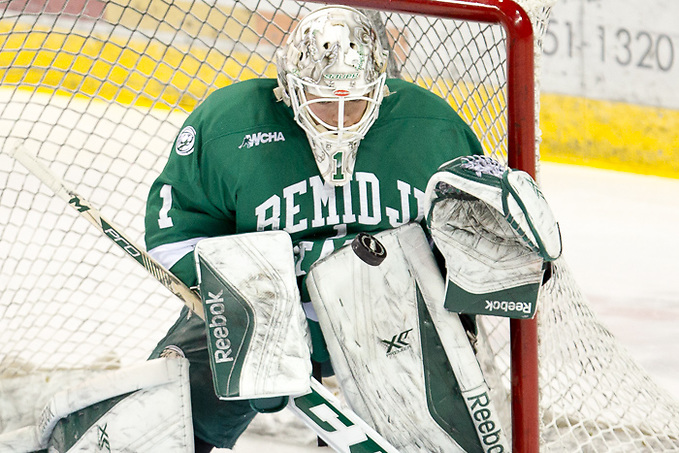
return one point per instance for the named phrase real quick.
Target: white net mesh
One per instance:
(98, 90)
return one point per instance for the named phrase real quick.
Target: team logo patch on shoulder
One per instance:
(186, 141)
(259, 138)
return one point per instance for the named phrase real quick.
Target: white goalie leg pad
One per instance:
(404, 363)
(258, 336)
(146, 407)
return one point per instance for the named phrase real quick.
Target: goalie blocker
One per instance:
(258, 339)
(497, 234)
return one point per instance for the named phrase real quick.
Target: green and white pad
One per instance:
(258, 336)
(496, 232)
(145, 407)
(404, 363)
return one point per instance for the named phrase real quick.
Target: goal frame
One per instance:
(521, 154)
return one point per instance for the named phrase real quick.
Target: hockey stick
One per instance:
(340, 428)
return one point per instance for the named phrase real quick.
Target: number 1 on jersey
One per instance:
(164, 220)
(339, 174)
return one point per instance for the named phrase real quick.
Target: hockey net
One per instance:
(98, 90)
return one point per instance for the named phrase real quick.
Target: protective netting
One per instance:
(98, 90)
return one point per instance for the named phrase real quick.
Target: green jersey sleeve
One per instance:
(179, 211)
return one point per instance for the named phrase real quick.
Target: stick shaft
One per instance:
(87, 211)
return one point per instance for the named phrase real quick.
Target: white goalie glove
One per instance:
(496, 231)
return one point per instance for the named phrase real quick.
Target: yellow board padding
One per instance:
(150, 74)
(145, 74)
(575, 130)
(611, 135)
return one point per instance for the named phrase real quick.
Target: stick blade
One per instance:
(38, 169)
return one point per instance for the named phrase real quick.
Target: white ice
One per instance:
(620, 234)
(621, 240)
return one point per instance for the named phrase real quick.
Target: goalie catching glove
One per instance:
(496, 232)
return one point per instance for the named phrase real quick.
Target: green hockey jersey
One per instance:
(241, 164)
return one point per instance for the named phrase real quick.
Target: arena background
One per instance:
(610, 73)
(610, 90)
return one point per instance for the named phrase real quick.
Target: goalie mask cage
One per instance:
(98, 90)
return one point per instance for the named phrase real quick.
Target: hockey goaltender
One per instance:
(330, 149)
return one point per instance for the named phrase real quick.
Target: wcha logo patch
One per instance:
(259, 138)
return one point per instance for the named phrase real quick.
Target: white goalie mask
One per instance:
(331, 72)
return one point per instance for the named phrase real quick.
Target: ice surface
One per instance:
(620, 240)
